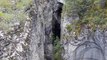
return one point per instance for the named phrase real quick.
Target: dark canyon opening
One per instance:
(56, 30)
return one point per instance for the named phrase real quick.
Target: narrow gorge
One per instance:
(53, 30)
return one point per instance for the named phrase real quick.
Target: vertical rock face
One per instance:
(37, 44)
(88, 45)
(41, 43)
(66, 39)
(33, 41)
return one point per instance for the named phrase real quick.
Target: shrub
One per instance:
(12, 10)
(57, 48)
(90, 13)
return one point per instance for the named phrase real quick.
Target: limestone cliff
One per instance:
(83, 38)
(56, 30)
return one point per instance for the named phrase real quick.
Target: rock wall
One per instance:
(87, 45)
(30, 40)
(41, 43)
(14, 44)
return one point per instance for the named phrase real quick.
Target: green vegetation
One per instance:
(57, 48)
(12, 10)
(69, 27)
(90, 13)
